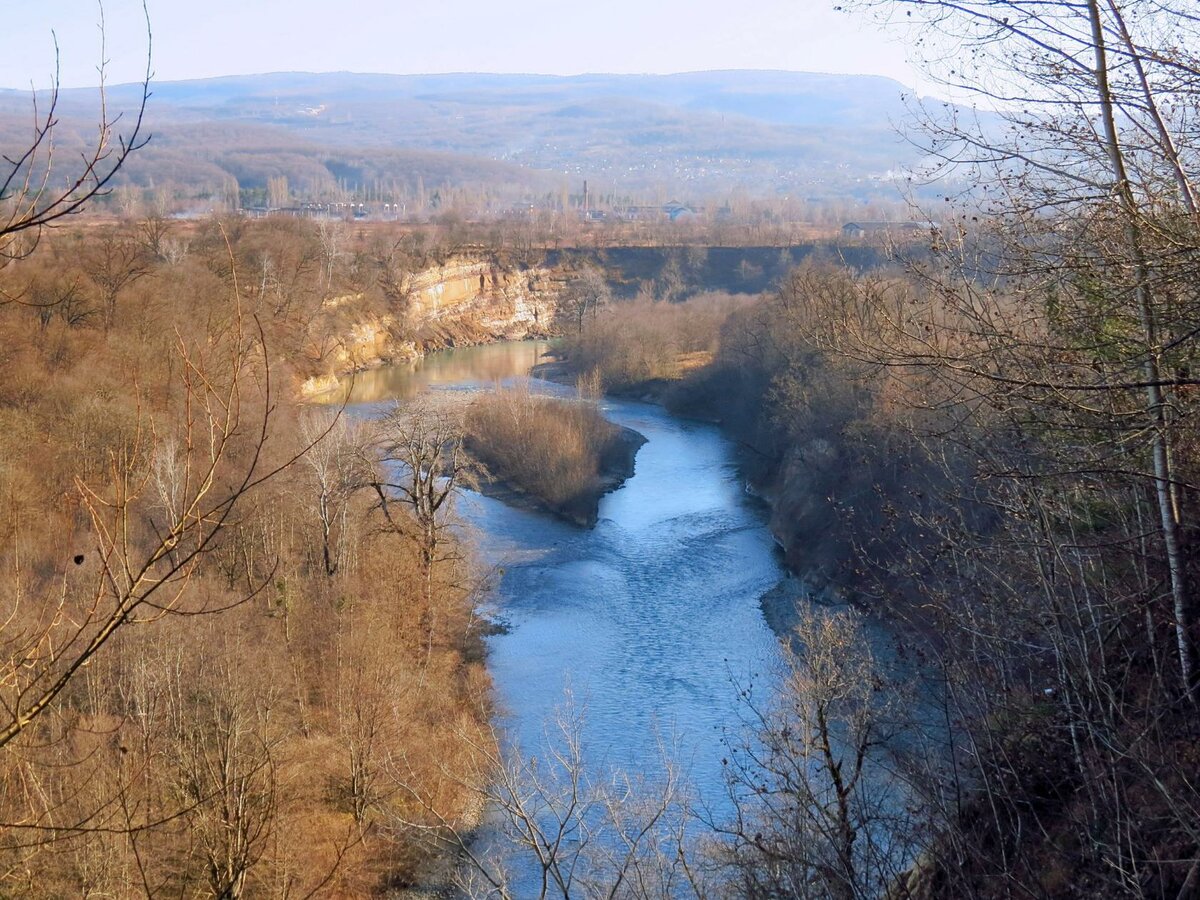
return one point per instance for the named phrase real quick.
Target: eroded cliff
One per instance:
(465, 301)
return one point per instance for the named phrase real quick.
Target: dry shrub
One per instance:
(630, 344)
(548, 447)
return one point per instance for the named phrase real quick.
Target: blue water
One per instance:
(650, 617)
(646, 625)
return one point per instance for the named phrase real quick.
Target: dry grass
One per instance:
(550, 448)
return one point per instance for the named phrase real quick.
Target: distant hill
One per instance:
(693, 135)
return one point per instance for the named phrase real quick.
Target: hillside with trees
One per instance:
(995, 447)
(242, 654)
(234, 628)
(698, 137)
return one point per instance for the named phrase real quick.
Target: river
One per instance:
(651, 619)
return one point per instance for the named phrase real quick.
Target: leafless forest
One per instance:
(241, 652)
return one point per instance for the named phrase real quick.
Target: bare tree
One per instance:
(586, 292)
(339, 465)
(424, 460)
(422, 446)
(35, 194)
(365, 726)
(1092, 186)
(562, 828)
(333, 238)
(113, 262)
(225, 767)
(154, 232)
(818, 811)
(138, 571)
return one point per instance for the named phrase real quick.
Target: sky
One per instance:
(558, 37)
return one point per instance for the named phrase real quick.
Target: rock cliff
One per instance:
(465, 301)
(471, 301)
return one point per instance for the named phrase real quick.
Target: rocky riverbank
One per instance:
(464, 302)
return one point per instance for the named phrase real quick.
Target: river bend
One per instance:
(649, 618)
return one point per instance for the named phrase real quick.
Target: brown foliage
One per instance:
(550, 448)
(632, 344)
(232, 737)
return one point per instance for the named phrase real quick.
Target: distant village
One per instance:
(665, 213)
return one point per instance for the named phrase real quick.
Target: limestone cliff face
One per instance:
(466, 301)
(475, 301)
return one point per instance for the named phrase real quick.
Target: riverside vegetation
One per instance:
(223, 655)
(561, 452)
(993, 446)
(294, 663)
(972, 518)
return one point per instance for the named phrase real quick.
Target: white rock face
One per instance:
(477, 294)
(466, 301)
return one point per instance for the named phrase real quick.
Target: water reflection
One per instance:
(468, 367)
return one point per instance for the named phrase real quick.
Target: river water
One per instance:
(648, 618)
(650, 621)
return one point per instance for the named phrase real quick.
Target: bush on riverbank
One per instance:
(563, 453)
(632, 344)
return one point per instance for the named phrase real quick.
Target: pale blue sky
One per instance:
(200, 38)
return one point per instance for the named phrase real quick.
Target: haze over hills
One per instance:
(695, 136)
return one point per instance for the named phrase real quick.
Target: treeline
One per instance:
(222, 166)
(642, 346)
(831, 440)
(239, 658)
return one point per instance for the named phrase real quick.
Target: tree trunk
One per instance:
(1165, 491)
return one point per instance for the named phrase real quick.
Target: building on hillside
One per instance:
(677, 212)
(672, 212)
